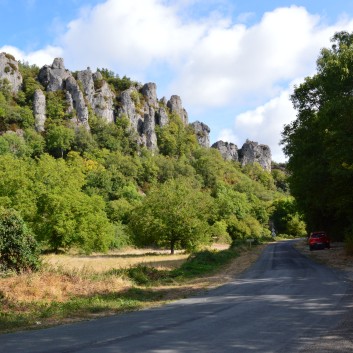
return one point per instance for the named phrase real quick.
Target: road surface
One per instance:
(283, 303)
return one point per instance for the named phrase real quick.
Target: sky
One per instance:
(234, 63)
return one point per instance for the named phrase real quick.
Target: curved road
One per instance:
(283, 303)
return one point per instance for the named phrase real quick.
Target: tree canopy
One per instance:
(319, 142)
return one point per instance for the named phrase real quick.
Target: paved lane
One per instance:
(281, 304)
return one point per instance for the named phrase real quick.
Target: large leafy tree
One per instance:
(174, 215)
(319, 142)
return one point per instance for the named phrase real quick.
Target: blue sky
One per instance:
(233, 63)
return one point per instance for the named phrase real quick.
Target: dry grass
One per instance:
(49, 287)
(335, 257)
(98, 263)
(66, 278)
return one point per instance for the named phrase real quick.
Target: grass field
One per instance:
(74, 287)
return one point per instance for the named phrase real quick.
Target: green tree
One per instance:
(176, 139)
(18, 249)
(319, 142)
(174, 215)
(59, 139)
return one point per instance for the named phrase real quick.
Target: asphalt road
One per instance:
(283, 303)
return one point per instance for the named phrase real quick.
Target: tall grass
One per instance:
(55, 295)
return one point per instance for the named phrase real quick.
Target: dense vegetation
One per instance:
(97, 190)
(319, 142)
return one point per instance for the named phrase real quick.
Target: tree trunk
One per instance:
(172, 243)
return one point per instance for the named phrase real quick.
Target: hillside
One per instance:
(92, 161)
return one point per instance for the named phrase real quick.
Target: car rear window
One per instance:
(318, 235)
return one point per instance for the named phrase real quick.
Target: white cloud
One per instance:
(210, 60)
(234, 64)
(129, 35)
(39, 57)
(265, 123)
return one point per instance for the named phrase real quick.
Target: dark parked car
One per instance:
(318, 240)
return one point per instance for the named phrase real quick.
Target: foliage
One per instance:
(286, 218)
(174, 214)
(18, 249)
(118, 84)
(59, 139)
(319, 144)
(56, 106)
(174, 139)
(103, 190)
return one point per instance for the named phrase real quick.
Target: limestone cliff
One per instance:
(86, 91)
(250, 152)
(9, 71)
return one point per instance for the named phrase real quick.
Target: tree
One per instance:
(175, 214)
(319, 142)
(176, 139)
(18, 249)
(59, 139)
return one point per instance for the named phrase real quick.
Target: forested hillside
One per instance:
(94, 186)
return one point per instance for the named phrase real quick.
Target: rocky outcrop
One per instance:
(53, 77)
(250, 152)
(139, 103)
(100, 98)
(9, 71)
(103, 103)
(175, 106)
(228, 150)
(39, 110)
(86, 79)
(202, 132)
(78, 101)
(253, 152)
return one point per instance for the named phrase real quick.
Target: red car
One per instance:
(318, 240)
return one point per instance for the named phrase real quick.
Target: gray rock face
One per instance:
(141, 112)
(175, 106)
(149, 129)
(128, 108)
(162, 118)
(103, 103)
(102, 99)
(9, 71)
(39, 110)
(86, 77)
(53, 77)
(149, 92)
(228, 150)
(253, 152)
(78, 101)
(202, 132)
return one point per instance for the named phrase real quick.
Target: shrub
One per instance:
(18, 249)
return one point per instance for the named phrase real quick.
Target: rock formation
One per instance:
(250, 152)
(78, 101)
(175, 106)
(53, 77)
(202, 132)
(253, 152)
(100, 98)
(228, 150)
(9, 71)
(39, 109)
(139, 104)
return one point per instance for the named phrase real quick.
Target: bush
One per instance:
(18, 249)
